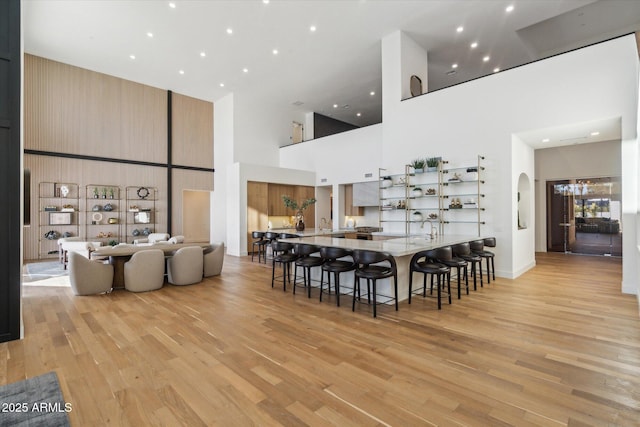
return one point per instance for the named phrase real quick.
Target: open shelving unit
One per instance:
(439, 197)
(102, 213)
(58, 210)
(141, 212)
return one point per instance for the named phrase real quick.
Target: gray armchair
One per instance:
(186, 266)
(89, 277)
(144, 271)
(213, 259)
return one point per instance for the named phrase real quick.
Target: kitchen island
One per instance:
(402, 249)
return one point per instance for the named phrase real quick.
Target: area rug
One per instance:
(45, 270)
(34, 402)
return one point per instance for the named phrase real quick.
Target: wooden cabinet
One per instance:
(276, 205)
(349, 209)
(257, 209)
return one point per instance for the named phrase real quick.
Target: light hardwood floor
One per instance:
(558, 346)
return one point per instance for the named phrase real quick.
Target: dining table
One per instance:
(118, 255)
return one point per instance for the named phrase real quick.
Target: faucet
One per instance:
(433, 232)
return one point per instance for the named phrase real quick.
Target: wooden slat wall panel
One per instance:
(77, 111)
(83, 172)
(186, 180)
(192, 125)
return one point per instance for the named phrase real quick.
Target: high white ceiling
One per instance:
(338, 63)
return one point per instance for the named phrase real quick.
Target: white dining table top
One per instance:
(128, 250)
(400, 246)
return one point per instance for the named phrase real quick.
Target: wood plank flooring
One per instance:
(558, 346)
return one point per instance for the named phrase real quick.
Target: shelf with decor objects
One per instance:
(141, 212)
(463, 194)
(424, 198)
(58, 210)
(103, 221)
(393, 194)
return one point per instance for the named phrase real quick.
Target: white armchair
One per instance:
(144, 271)
(213, 259)
(89, 277)
(152, 238)
(186, 266)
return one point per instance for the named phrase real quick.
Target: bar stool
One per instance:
(454, 262)
(333, 264)
(260, 242)
(477, 248)
(372, 266)
(423, 262)
(491, 242)
(307, 261)
(283, 253)
(271, 236)
(463, 250)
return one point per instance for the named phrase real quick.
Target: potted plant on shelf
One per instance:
(292, 204)
(418, 165)
(432, 164)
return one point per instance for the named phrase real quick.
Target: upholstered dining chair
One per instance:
(213, 259)
(186, 266)
(89, 277)
(144, 271)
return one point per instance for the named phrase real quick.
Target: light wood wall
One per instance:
(192, 131)
(83, 113)
(77, 111)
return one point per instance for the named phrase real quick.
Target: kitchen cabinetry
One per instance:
(276, 205)
(349, 208)
(102, 213)
(141, 212)
(257, 209)
(58, 209)
(421, 203)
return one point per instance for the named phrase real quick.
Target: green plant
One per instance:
(292, 204)
(418, 163)
(432, 162)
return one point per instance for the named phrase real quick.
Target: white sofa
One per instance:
(154, 238)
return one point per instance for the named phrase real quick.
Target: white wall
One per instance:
(523, 253)
(414, 62)
(338, 159)
(223, 122)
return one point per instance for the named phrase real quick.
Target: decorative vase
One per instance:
(386, 183)
(299, 221)
(418, 170)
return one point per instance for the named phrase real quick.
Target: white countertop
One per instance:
(400, 246)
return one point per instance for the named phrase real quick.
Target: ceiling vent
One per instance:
(451, 73)
(298, 103)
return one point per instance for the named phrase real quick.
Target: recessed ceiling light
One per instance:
(486, 58)
(495, 70)
(150, 34)
(181, 71)
(474, 45)
(172, 5)
(460, 29)
(335, 105)
(359, 114)
(454, 65)
(595, 133)
(509, 8)
(229, 31)
(275, 51)
(312, 28)
(132, 56)
(546, 140)
(245, 70)
(265, 1)
(372, 93)
(203, 54)
(221, 84)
